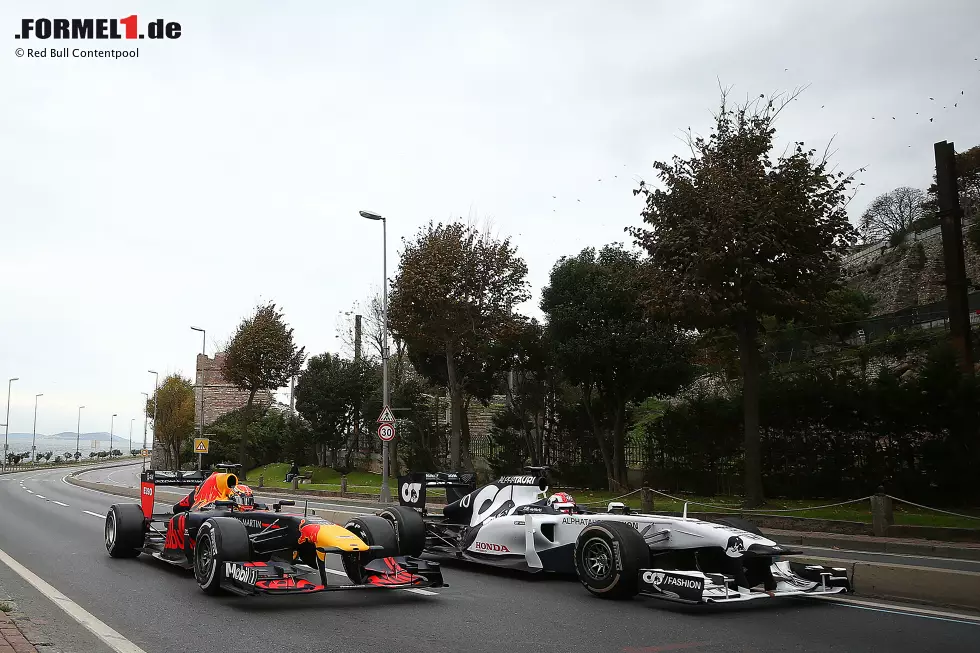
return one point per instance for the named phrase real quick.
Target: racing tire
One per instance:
(219, 540)
(741, 524)
(608, 558)
(372, 530)
(409, 529)
(125, 529)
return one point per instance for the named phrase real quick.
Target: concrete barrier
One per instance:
(938, 550)
(943, 587)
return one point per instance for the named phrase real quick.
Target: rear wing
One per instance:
(150, 478)
(412, 487)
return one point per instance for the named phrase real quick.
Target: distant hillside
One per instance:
(102, 436)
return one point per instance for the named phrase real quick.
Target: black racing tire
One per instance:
(739, 523)
(596, 561)
(372, 530)
(219, 540)
(409, 529)
(125, 530)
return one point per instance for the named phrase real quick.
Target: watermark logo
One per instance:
(129, 27)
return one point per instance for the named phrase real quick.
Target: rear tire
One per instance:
(219, 540)
(608, 558)
(125, 529)
(372, 530)
(409, 529)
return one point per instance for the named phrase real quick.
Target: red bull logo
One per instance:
(216, 487)
(309, 533)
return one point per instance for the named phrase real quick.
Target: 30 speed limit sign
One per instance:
(386, 432)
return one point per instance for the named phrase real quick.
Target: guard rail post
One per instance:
(295, 482)
(882, 513)
(343, 484)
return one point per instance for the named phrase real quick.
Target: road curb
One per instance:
(942, 587)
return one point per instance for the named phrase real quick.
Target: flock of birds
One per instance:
(956, 105)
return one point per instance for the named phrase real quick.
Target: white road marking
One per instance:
(59, 503)
(94, 514)
(113, 639)
(414, 590)
(31, 491)
(40, 496)
(908, 611)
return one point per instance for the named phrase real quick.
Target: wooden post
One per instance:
(296, 482)
(261, 481)
(646, 499)
(882, 514)
(951, 224)
(343, 484)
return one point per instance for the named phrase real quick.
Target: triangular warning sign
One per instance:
(386, 415)
(202, 446)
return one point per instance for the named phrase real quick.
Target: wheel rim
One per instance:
(597, 556)
(205, 558)
(110, 530)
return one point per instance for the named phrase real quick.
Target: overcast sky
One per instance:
(225, 168)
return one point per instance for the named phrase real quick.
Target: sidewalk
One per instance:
(12, 640)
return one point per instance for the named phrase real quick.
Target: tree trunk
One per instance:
(456, 406)
(600, 440)
(619, 445)
(749, 356)
(243, 447)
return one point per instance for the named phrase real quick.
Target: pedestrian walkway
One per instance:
(12, 640)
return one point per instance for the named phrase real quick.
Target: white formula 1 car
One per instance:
(615, 554)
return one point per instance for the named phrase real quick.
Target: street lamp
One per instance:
(34, 436)
(205, 354)
(145, 416)
(112, 426)
(156, 402)
(385, 491)
(131, 435)
(78, 432)
(6, 427)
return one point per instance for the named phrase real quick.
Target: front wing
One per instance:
(277, 578)
(792, 579)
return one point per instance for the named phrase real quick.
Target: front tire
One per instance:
(219, 540)
(409, 529)
(372, 530)
(125, 528)
(608, 558)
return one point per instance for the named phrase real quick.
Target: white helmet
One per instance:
(562, 502)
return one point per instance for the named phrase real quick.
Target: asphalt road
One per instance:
(44, 526)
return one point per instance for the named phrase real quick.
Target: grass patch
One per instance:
(324, 478)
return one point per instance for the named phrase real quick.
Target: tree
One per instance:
(606, 343)
(735, 236)
(968, 180)
(261, 357)
(175, 416)
(328, 396)
(892, 214)
(453, 295)
(47, 455)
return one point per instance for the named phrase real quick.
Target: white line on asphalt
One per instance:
(414, 590)
(94, 514)
(908, 611)
(59, 503)
(40, 496)
(31, 491)
(113, 639)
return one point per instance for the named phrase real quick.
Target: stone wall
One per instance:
(897, 282)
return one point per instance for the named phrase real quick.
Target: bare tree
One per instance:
(891, 213)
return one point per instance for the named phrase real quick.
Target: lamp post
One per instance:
(131, 435)
(112, 426)
(78, 432)
(34, 435)
(145, 417)
(6, 427)
(385, 491)
(156, 402)
(204, 353)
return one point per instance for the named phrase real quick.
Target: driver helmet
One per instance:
(562, 502)
(242, 496)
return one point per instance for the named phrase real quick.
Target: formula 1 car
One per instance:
(236, 545)
(615, 554)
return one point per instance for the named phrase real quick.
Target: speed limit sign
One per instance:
(386, 432)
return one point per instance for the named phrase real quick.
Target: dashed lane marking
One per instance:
(113, 639)
(94, 514)
(59, 503)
